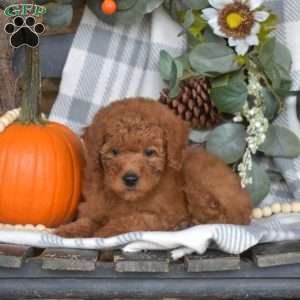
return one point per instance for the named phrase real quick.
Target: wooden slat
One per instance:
(13, 256)
(141, 262)
(285, 253)
(212, 261)
(69, 259)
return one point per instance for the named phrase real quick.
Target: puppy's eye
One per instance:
(115, 152)
(149, 152)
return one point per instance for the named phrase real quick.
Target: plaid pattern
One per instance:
(107, 63)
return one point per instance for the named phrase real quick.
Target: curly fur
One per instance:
(178, 185)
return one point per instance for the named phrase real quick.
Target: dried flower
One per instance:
(257, 128)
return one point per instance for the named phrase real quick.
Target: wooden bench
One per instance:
(266, 271)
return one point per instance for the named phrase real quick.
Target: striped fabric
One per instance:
(107, 63)
(233, 239)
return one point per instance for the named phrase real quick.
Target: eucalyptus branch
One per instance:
(255, 66)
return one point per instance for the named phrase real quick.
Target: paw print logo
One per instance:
(24, 31)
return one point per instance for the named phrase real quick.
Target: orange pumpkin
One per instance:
(40, 170)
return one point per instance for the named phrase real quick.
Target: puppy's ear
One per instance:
(176, 131)
(93, 137)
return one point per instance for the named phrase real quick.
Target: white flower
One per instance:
(237, 20)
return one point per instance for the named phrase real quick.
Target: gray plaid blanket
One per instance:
(107, 63)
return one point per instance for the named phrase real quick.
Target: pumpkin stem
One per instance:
(30, 107)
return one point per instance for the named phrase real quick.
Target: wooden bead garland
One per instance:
(28, 227)
(8, 118)
(276, 208)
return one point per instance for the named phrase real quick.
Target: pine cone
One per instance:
(193, 103)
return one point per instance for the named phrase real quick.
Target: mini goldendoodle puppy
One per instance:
(141, 175)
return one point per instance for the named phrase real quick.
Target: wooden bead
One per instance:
(267, 211)
(10, 116)
(257, 213)
(15, 112)
(40, 227)
(29, 227)
(296, 207)
(2, 126)
(286, 208)
(5, 121)
(276, 208)
(8, 226)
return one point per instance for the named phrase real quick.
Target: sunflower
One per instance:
(237, 20)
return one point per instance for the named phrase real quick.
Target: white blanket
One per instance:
(229, 238)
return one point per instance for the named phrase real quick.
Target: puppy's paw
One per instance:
(80, 228)
(67, 231)
(106, 232)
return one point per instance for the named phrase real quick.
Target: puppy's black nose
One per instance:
(130, 179)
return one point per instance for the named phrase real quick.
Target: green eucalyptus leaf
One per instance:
(226, 79)
(230, 97)
(180, 68)
(165, 65)
(260, 186)
(194, 24)
(192, 41)
(172, 7)
(212, 59)
(211, 37)
(199, 136)
(173, 82)
(281, 142)
(277, 61)
(220, 81)
(58, 15)
(151, 5)
(284, 86)
(228, 142)
(271, 104)
(126, 4)
(274, 53)
(184, 60)
(188, 19)
(196, 4)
